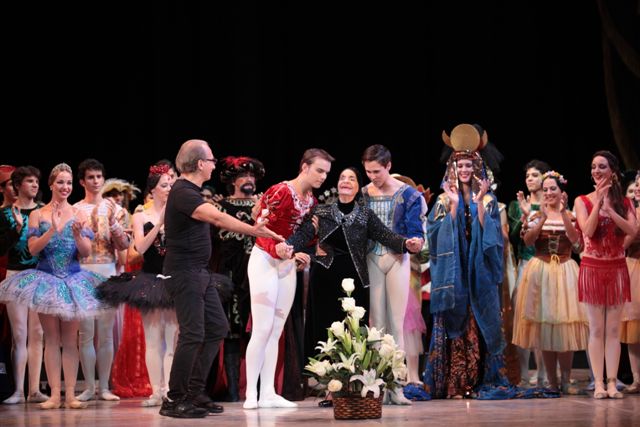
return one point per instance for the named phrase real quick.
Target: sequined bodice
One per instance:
(607, 241)
(60, 256)
(154, 256)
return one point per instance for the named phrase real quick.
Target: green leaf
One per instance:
(367, 360)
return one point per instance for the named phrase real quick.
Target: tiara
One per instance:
(159, 169)
(555, 175)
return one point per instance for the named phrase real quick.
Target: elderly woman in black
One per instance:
(343, 228)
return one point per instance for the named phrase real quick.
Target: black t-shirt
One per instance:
(188, 240)
(15, 244)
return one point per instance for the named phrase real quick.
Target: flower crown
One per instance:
(159, 169)
(555, 175)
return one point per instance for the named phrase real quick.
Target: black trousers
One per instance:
(203, 325)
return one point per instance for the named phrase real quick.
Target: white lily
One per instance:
(350, 363)
(360, 347)
(328, 346)
(369, 381)
(319, 368)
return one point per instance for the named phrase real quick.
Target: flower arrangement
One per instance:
(357, 359)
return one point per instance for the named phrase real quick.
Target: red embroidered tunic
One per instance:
(286, 212)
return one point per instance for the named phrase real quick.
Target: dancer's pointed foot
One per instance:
(276, 401)
(37, 397)
(15, 398)
(51, 404)
(87, 395)
(107, 395)
(75, 404)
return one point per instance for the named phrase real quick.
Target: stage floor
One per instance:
(568, 411)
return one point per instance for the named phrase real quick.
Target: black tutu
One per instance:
(146, 291)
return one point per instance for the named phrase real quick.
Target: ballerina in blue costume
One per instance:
(57, 289)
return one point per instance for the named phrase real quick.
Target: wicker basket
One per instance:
(357, 407)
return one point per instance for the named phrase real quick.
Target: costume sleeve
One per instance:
(442, 234)
(120, 239)
(415, 217)
(304, 235)
(486, 256)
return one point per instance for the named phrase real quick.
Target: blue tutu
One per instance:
(57, 286)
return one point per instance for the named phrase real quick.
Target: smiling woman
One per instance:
(343, 228)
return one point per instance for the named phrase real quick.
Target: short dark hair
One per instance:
(377, 153)
(312, 153)
(22, 172)
(537, 164)
(89, 165)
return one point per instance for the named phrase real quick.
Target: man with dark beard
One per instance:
(230, 257)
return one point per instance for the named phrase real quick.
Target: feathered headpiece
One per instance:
(231, 167)
(121, 186)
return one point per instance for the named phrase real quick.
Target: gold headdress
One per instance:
(466, 141)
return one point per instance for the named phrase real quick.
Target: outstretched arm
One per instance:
(208, 213)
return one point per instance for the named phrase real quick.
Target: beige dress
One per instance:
(548, 315)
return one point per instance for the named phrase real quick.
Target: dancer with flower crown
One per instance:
(548, 315)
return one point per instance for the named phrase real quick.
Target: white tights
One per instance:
(59, 332)
(104, 325)
(272, 284)
(389, 293)
(27, 345)
(161, 336)
(604, 339)
(105, 345)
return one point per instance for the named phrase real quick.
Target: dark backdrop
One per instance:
(128, 83)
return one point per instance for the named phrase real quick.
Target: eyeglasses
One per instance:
(213, 160)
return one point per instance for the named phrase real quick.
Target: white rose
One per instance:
(334, 386)
(337, 328)
(348, 285)
(388, 339)
(373, 334)
(358, 313)
(386, 351)
(348, 304)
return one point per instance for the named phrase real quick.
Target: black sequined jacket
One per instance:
(360, 225)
